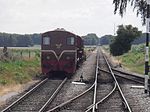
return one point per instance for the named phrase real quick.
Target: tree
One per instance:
(139, 5)
(90, 39)
(122, 42)
(18, 40)
(105, 40)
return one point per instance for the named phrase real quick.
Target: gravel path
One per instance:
(140, 101)
(10, 97)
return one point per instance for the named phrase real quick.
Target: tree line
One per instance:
(17, 40)
(122, 42)
(90, 39)
(26, 40)
(106, 39)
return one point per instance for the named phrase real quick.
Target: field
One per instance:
(21, 66)
(133, 60)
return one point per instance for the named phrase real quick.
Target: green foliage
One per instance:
(18, 71)
(37, 54)
(3, 82)
(139, 5)
(13, 40)
(90, 39)
(134, 60)
(106, 39)
(20, 77)
(138, 48)
(2, 68)
(123, 41)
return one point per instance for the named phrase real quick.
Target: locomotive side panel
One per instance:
(80, 49)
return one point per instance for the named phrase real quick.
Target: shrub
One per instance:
(20, 77)
(3, 82)
(2, 68)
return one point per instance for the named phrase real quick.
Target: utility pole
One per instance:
(147, 47)
(114, 29)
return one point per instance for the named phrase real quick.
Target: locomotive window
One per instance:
(70, 41)
(46, 40)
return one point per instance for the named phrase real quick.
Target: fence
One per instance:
(14, 54)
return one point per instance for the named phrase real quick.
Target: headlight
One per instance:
(67, 57)
(47, 57)
(80, 51)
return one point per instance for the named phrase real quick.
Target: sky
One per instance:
(78, 16)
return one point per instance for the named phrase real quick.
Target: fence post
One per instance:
(21, 54)
(29, 54)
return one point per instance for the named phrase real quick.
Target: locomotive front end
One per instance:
(58, 52)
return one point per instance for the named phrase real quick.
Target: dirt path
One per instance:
(6, 92)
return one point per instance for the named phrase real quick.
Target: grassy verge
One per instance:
(19, 70)
(133, 60)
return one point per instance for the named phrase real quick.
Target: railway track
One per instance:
(127, 76)
(124, 101)
(106, 89)
(124, 74)
(38, 97)
(74, 103)
(104, 94)
(109, 94)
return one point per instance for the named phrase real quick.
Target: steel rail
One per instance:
(123, 76)
(138, 76)
(25, 95)
(69, 101)
(141, 82)
(53, 96)
(113, 75)
(103, 99)
(95, 87)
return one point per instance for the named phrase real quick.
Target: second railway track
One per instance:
(109, 96)
(37, 98)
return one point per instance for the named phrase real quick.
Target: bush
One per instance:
(122, 42)
(2, 68)
(3, 82)
(20, 77)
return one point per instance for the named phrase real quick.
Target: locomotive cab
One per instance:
(59, 52)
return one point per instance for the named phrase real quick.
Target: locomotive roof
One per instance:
(62, 31)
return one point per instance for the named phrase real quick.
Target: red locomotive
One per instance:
(61, 51)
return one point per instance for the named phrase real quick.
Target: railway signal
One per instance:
(147, 47)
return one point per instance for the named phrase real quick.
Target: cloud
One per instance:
(81, 16)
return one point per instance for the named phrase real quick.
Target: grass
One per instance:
(20, 70)
(133, 60)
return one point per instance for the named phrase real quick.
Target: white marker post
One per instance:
(147, 47)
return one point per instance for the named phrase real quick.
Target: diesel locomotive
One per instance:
(61, 51)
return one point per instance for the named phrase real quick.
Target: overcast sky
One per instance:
(78, 16)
